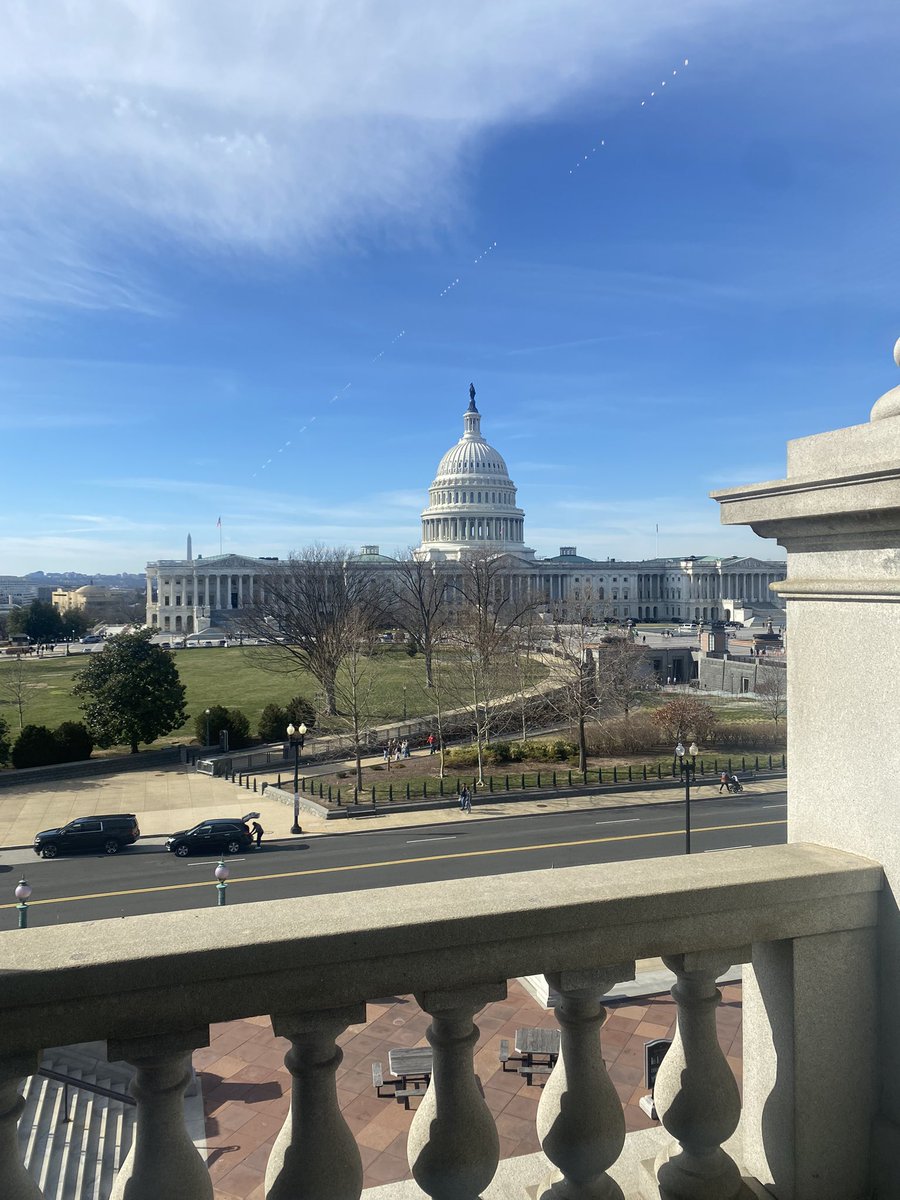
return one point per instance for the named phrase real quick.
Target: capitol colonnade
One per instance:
(189, 595)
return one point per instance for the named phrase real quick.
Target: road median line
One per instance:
(397, 862)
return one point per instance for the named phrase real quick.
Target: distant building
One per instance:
(472, 509)
(17, 593)
(99, 599)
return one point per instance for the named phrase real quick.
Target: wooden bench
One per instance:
(534, 1069)
(378, 1078)
(504, 1054)
(406, 1094)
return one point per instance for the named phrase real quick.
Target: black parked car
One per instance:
(108, 834)
(223, 835)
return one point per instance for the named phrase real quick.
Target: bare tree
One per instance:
(572, 687)
(490, 608)
(309, 611)
(624, 674)
(421, 606)
(14, 686)
(355, 681)
(524, 653)
(771, 688)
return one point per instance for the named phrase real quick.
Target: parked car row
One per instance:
(110, 834)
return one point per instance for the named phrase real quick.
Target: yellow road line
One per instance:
(400, 862)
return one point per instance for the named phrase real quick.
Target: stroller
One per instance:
(734, 785)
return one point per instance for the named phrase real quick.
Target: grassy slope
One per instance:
(233, 677)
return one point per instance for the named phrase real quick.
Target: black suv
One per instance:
(223, 835)
(108, 834)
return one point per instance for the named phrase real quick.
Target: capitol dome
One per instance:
(472, 501)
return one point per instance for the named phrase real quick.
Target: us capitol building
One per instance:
(472, 509)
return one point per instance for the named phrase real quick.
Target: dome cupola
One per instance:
(472, 501)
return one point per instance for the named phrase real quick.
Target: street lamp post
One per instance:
(23, 891)
(222, 874)
(404, 702)
(207, 727)
(295, 737)
(688, 768)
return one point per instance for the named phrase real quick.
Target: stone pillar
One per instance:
(163, 1160)
(17, 1183)
(696, 1093)
(453, 1147)
(837, 513)
(315, 1154)
(240, 585)
(580, 1121)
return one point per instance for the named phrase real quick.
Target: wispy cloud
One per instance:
(289, 126)
(58, 419)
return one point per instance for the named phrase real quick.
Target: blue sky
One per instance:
(215, 220)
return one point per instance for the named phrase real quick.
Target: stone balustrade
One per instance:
(151, 986)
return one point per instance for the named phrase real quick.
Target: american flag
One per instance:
(219, 523)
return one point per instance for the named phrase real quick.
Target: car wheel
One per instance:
(233, 848)
(111, 846)
(49, 851)
(182, 850)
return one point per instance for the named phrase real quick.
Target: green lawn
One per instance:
(233, 677)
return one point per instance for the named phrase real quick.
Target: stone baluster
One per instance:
(453, 1147)
(163, 1160)
(16, 1182)
(315, 1154)
(580, 1121)
(696, 1093)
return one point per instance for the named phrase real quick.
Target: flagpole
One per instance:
(220, 535)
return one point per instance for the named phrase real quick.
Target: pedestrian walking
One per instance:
(430, 740)
(404, 748)
(386, 752)
(464, 798)
(723, 781)
(467, 807)
(257, 831)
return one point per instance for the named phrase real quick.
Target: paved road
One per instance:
(146, 879)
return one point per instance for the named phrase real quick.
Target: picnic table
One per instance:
(538, 1050)
(411, 1063)
(543, 1042)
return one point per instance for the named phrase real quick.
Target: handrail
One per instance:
(96, 1088)
(181, 970)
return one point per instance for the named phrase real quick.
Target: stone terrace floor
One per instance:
(247, 1088)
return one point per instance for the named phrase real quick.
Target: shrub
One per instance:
(299, 711)
(461, 756)
(36, 746)
(684, 718)
(749, 735)
(499, 753)
(275, 718)
(637, 734)
(74, 742)
(5, 744)
(273, 723)
(231, 719)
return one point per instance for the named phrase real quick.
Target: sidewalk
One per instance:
(177, 797)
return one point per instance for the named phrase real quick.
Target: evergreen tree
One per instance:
(131, 692)
(39, 620)
(4, 741)
(220, 718)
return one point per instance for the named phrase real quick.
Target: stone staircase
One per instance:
(75, 1159)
